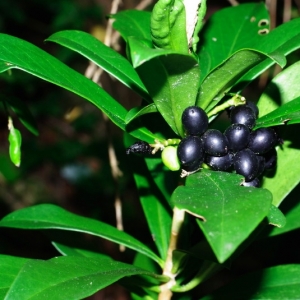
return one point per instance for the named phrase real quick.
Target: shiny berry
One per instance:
(238, 137)
(219, 163)
(194, 120)
(243, 114)
(215, 143)
(139, 147)
(190, 151)
(270, 159)
(261, 165)
(246, 164)
(262, 140)
(254, 107)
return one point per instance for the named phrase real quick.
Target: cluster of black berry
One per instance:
(248, 152)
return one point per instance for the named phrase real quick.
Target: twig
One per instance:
(178, 218)
(94, 73)
(233, 2)
(287, 11)
(143, 4)
(272, 6)
(108, 37)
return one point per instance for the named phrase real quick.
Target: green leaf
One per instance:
(105, 57)
(157, 212)
(243, 23)
(228, 31)
(67, 277)
(133, 23)
(229, 212)
(282, 89)
(284, 39)
(168, 26)
(48, 216)
(142, 51)
(276, 217)
(292, 219)
(142, 261)
(165, 180)
(222, 78)
(15, 141)
(280, 282)
(172, 82)
(10, 267)
(23, 113)
(287, 114)
(70, 251)
(283, 181)
(139, 111)
(19, 54)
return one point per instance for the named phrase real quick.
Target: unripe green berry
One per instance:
(170, 159)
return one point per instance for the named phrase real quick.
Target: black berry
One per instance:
(190, 151)
(270, 159)
(261, 165)
(262, 140)
(254, 107)
(139, 147)
(237, 136)
(246, 164)
(215, 143)
(219, 163)
(243, 114)
(194, 120)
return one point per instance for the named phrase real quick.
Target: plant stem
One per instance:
(178, 218)
(234, 101)
(207, 270)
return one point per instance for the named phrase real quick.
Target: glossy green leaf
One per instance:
(133, 23)
(172, 82)
(103, 56)
(288, 113)
(70, 251)
(222, 78)
(142, 261)
(282, 89)
(280, 282)
(284, 39)
(48, 216)
(292, 221)
(19, 54)
(157, 212)
(23, 113)
(168, 26)
(228, 31)
(243, 26)
(9, 269)
(165, 180)
(15, 141)
(67, 277)
(276, 217)
(142, 51)
(229, 212)
(139, 111)
(283, 181)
